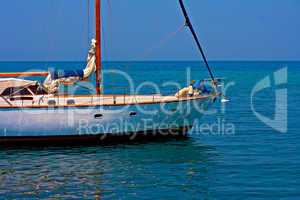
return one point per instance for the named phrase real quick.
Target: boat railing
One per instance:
(118, 96)
(74, 100)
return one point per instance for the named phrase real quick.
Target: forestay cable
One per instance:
(189, 24)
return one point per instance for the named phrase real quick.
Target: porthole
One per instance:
(132, 113)
(70, 102)
(51, 102)
(98, 116)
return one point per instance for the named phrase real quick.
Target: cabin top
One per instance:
(15, 86)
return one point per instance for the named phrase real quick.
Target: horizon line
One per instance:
(236, 60)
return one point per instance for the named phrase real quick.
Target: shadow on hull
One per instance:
(92, 140)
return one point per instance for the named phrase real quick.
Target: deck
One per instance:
(41, 101)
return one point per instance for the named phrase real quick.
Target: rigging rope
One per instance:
(88, 21)
(103, 39)
(163, 41)
(110, 23)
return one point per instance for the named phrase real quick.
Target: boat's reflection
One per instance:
(97, 171)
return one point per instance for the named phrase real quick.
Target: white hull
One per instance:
(99, 120)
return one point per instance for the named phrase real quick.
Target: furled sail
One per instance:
(57, 78)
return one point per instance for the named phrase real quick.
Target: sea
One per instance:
(246, 148)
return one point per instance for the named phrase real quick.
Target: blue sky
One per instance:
(228, 29)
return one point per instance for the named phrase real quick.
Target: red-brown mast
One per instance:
(98, 45)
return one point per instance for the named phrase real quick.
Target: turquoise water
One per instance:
(255, 162)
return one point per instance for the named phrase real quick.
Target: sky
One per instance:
(60, 30)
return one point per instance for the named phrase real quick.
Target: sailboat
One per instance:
(35, 112)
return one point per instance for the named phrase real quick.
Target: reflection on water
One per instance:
(134, 170)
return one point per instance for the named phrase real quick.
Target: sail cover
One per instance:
(66, 74)
(15, 83)
(59, 77)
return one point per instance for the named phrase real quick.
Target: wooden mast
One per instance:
(98, 45)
